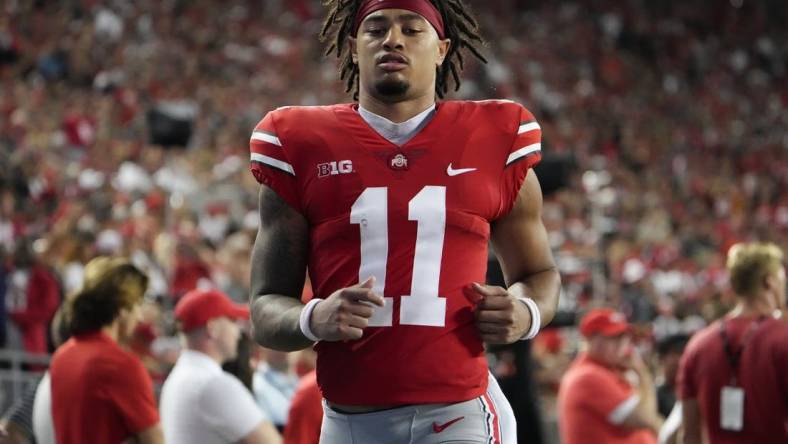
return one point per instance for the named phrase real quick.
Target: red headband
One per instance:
(422, 7)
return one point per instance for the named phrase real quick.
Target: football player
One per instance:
(390, 202)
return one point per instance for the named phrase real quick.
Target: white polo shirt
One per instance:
(201, 403)
(43, 424)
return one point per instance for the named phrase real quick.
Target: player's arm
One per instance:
(279, 259)
(521, 244)
(691, 421)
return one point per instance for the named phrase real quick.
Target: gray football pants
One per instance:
(487, 419)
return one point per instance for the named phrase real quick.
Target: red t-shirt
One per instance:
(417, 217)
(100, 392)
(763, 374)
(32, 310)
(306, 413)
(588, 399)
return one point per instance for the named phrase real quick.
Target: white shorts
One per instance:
(488, 419)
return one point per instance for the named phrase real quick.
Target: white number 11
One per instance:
(428, 208)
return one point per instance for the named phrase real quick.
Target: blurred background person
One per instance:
(232, 271)
(30, 418)
(596, 401)
(551, 359)
(3, 283)
(16, 424)
(90, 275)
(32, 295)
(200, 402)
(305, 416)
(733, 376)
(274, 385)
(669, 351)
(242, 365)
(100, 391)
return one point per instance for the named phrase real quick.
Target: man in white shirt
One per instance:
(201, 403)
(274, 386)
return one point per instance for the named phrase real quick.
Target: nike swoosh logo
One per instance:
(452, 172)
(437, 428)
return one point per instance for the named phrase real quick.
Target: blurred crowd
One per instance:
(124, 130)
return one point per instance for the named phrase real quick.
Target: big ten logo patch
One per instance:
(334, 168)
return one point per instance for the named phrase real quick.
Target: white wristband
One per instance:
(305, 318)
(536, 318)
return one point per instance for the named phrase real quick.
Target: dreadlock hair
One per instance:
(459, 26)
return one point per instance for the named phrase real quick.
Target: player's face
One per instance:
(397, 52)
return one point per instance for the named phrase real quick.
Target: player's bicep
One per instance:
(279, 256)
(519, 238)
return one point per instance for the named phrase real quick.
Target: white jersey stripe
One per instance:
(522, 152)
(266, 137)
(270, 161)
(528, 127)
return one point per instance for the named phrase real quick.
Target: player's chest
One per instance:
(458, 174)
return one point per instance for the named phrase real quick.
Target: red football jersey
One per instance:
(417, 217)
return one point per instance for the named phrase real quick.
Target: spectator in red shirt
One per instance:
(100, 391)
(733, 376)
(306, 413)
(596, 403)
(31, 299)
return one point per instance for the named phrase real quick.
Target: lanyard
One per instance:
(734, 356)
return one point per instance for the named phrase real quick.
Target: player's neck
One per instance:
(396, 112)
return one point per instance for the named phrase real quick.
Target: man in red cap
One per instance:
(200, 402)
(392, 201)
(596, 403)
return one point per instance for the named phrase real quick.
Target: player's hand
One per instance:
(500, 318)
(345, 314)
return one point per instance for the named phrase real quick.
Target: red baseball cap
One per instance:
(605, 322)
(197, 307)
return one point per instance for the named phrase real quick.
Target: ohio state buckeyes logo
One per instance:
(334, 168)
(398, 162)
